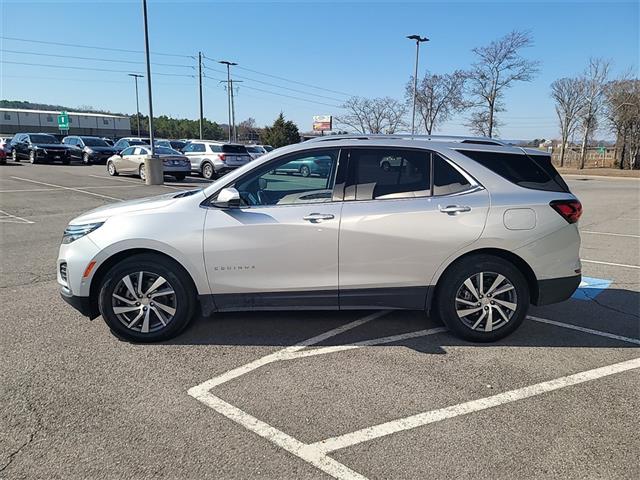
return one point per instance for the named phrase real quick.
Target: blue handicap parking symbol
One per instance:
(590, 288)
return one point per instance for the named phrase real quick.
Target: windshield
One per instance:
(94, 142)
(166, 151)
(233, 149)
(268, 148)
(162, 143)
(43, 139)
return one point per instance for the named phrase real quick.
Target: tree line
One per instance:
(584, 103)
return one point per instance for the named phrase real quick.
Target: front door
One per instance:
(280, 248)
(398, 226)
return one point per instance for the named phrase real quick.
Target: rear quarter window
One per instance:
(523, 170)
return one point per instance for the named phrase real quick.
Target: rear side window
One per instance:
(215, 148)
(520, 169)
(388, 173)
(234, 149)
(446, 179)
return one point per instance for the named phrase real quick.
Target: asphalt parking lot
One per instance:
(349, 395)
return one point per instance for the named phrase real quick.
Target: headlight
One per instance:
(74, 232)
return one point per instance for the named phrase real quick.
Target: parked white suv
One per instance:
(211, 159)
(469, 229)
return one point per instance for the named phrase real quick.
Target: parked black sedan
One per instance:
(89, 149)
(39, 147)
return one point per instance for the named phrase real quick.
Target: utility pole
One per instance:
(228, 64)
(152, 166)
(418, 40)
(136, 76)
(233, 110)
(200, 80)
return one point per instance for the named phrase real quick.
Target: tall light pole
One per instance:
(136, 76)
(229, 86)
(152, 166)
(418, 39)
(200, 85)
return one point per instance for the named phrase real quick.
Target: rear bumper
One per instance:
(81, 304)
(556, 289)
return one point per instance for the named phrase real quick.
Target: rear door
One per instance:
(405, 213)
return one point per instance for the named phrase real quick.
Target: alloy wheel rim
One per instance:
(486, 301)
(207, 171)
(144, 302)
(111, 168)
(142, 174)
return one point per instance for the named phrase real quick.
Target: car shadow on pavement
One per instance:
(281, 329)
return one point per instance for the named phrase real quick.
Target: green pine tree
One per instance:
(282, 132)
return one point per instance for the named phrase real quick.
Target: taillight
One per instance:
(570, 210)
(222, 156)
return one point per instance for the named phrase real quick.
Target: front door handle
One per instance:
(454, 209)
(316, 217)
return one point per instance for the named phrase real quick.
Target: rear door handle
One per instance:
(316, 217)
(454, 209)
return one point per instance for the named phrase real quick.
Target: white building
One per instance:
(16, 120)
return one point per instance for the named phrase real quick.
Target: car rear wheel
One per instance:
(482, 298)
(208, 171)
(111, 169)
(14, 156)
(147, 298)
(142, 174)
(304, 171)
(179, 176)
(85, 159)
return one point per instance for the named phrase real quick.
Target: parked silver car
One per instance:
(131, 161)
(211, 159)
(255, 151)
(469, 229)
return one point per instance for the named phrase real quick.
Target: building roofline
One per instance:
(57, 112)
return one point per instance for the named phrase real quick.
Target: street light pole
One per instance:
(135, 77)
(200, 84)
(228, 64)
(418, 39)
(152, 166)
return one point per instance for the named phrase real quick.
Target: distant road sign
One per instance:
(601, 150)
(322, 123)
(63, 121)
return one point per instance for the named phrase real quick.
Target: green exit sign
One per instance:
(63, 121)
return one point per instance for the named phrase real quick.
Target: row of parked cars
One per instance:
(179, 157)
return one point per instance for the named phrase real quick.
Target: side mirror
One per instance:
(228, 198)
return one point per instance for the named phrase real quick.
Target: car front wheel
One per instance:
(111, 169)
(14, 156)
(147, 298)
(32, 157)
(482, 298)
(208, 171)
(85, 159)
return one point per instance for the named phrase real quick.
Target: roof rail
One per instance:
(432, 138)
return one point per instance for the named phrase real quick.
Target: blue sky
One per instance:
(348, 47)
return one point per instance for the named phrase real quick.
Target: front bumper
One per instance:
(81, 304)
(556, 289)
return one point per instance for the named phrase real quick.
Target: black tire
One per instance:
(208, 171)
(85, 159)
(179, 176)
(304, 171)
(32, 157)
(185, 296)
(111, 169)
(66, 161)
(386, 166)
(452, 282)
(14, 156)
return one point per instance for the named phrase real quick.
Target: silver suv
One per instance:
(212, 159)
(470, 230)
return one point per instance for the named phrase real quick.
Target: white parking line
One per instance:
(137, 182)
(610, 264)
(68, 188)
(30, 190)
(13, 218)
(610, 234)
(420, 419)
(585, 330)
(316, 453)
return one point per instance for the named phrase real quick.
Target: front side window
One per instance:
(388, 173)
(296, 179)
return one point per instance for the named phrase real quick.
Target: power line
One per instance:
(278, 86)
(93, 58)
(94, 69)
(282, 94)
(91, 47)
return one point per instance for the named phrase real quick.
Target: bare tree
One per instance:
(497, 67)
(595, 80)
(568, 95)
(373, 115)
(622, 110)
(438, 97)
(479, 122)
